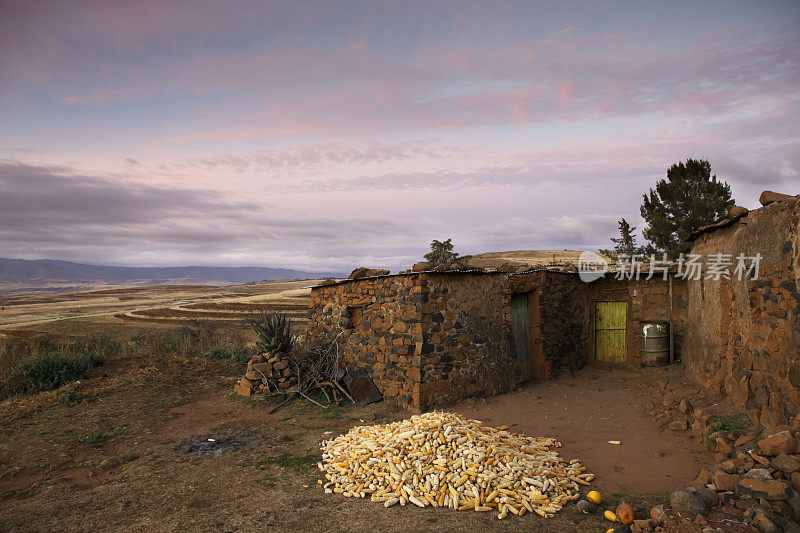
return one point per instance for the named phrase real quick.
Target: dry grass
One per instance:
(109, 307)
(526, 258)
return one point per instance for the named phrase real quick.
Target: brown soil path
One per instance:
(587, 411)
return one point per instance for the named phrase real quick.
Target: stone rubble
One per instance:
(267, 374)
(755, 481)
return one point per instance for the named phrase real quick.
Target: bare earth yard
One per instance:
(57, 475)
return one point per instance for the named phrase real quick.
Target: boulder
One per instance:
(759, 459)
(758, 473)
(759, 488)
(585, 506)
(727, 466)
(422, 266)
(737, 211)
(687, 503)
(657, 513)
(262, 367)
(769, 197)
(724, 481)
(685, 407)
(678, 425)
(706, 495)
(242, 390)
(506, 267)
(723, 447)
(763, 523)
(364, 272)
(785, 464)
(778, 443)
(703, 478)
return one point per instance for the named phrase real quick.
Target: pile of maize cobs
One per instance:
(441, 459)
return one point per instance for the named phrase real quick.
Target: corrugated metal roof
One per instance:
(399, 274)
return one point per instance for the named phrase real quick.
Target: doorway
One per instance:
(525, 328)
(610, 327)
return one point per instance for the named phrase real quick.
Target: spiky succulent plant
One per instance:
(274, 335)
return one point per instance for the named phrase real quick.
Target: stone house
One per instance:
(743, 335)
(431, 338)
(425, 338)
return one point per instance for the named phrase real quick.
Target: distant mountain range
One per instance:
(48, 271)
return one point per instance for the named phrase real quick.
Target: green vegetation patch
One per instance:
(735, 423)
(48, 371)
(46, 362)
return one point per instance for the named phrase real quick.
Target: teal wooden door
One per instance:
(521, 328)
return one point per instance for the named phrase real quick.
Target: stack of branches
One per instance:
(317, 370)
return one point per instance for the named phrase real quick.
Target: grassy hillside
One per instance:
(526, 257)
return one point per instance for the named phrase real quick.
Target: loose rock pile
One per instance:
(444, 460)
(760, 481)
(267, 373)
(755, 481)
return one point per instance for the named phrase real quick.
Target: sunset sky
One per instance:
(327, 135)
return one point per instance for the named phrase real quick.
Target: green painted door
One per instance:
(610, 332)
(521, 328)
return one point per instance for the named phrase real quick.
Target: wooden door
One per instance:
(521, 328)
(610, 326)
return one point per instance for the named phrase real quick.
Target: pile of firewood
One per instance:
(275, 372)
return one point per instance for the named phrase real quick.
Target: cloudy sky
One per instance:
(333, 134)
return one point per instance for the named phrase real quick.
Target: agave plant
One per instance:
(274, 335)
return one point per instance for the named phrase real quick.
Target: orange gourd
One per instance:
(625, 513)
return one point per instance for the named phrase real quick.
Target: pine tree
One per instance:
(625, 244)
(689, 198)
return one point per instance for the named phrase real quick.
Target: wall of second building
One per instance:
(743, 336)
(466, 351)
(647, 301)
(563, 333)
(379, 326)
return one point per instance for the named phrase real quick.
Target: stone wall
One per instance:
(379, 324)
(425, 339)
(466, 351)
(743, 336)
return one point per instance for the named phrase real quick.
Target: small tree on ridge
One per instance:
(441, 252)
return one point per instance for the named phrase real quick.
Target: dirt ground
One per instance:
(587, 411)
(117, 460)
